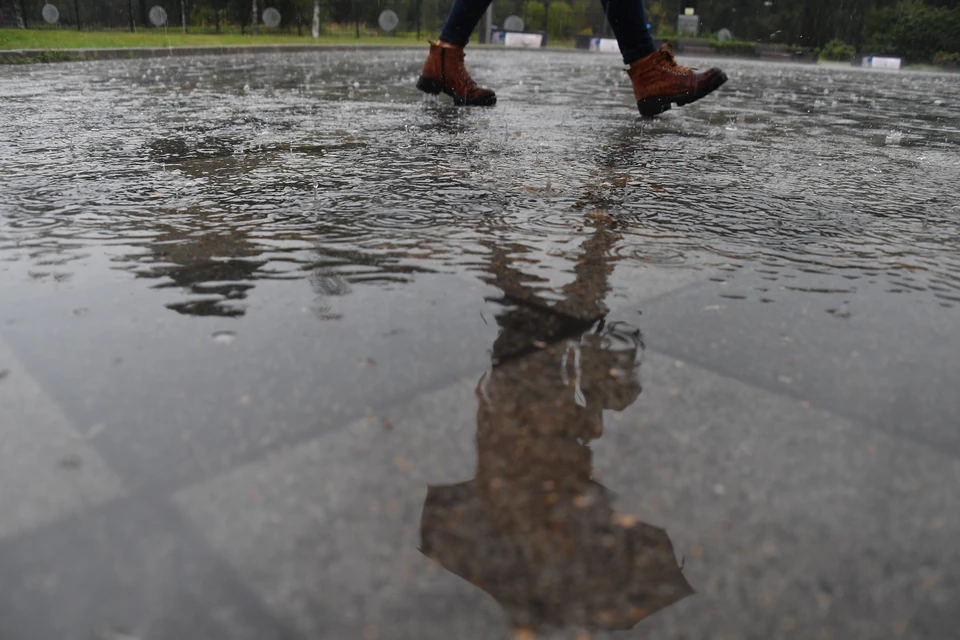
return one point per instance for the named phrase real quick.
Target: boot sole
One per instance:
(435, 87)
(655, 106)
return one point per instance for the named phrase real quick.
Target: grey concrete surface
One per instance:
(47, 468)
(287, 351)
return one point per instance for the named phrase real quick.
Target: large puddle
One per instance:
(207, 262)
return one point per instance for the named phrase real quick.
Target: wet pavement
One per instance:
(288, 352)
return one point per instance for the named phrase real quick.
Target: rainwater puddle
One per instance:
(596, 367)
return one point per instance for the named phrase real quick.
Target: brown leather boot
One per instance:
(444, 71)
(658, 81)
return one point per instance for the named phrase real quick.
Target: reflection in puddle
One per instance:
(299, 199)
(534, 529)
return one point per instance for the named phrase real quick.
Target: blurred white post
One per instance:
(315, 31)
(487, 22)
(255, 22)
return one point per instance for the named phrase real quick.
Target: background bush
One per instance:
(838, 50)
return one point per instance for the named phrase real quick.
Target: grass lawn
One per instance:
(67, 39)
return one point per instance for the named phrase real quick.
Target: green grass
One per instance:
(66, 39)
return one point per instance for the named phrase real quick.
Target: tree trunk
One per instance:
(315, 29)
(76, 12)
(133, 26)
(255, 19)
(183, 14)
(858, 18)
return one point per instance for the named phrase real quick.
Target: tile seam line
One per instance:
(943, 450)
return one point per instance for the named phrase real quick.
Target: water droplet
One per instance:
(224, 337)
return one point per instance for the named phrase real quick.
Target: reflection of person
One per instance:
(533, 529)
(658, 81)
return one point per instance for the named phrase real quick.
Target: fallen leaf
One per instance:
(625, 521)
(607, 618)
(931, 581)
(600, 216)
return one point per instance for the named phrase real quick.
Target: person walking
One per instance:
(658, 81)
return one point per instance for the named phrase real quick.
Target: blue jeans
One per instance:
(625, 16)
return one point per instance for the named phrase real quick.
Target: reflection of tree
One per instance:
(533, 529)
(216, 268)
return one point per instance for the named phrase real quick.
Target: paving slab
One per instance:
(794, 522)
(48, 468)
(127, 569)
(788, 520)
(114, 378)
(890, 363)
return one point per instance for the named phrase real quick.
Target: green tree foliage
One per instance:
(534, 15)
(949, 60)
(660, 18)
(913, 29)
(561, 22)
